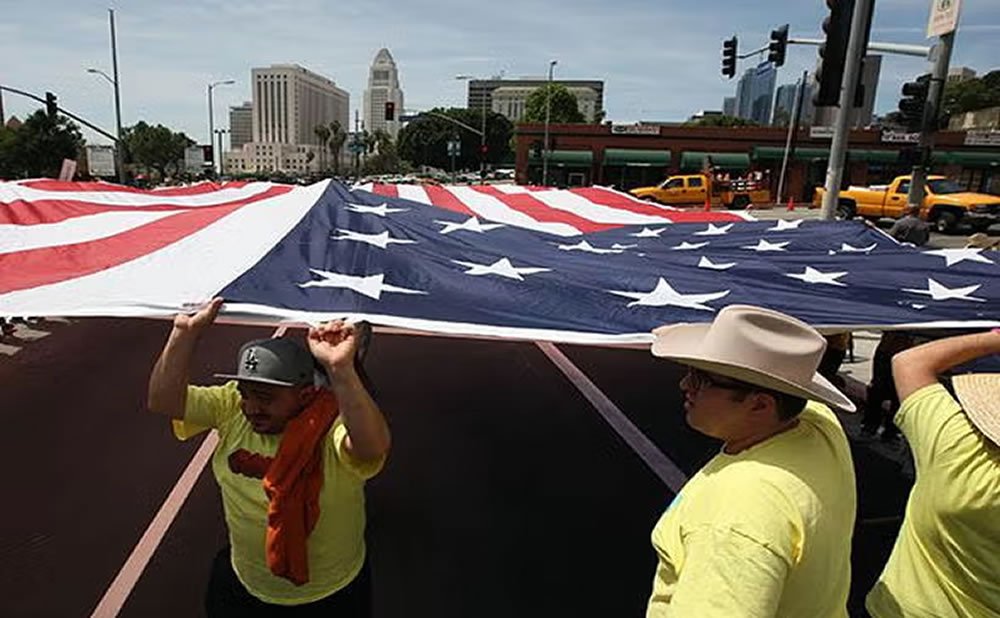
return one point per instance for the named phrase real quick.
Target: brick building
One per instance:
(627, 156)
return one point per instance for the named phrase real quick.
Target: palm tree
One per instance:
(336, 144)
(323, 134)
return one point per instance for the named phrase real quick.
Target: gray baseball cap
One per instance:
(280, 361)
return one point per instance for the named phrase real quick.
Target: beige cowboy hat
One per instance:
(754, 345)
(979, 394)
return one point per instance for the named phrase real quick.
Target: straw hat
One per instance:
(754, 345)
(979, 394)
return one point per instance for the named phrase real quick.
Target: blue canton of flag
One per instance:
(412, 265)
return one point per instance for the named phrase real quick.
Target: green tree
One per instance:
(335, 144)
(970, 95)
(155, 148)
(385, 159)
(37, 148)
(564, 106)
(323, 135)
(424, 141)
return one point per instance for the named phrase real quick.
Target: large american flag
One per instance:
(586, 265)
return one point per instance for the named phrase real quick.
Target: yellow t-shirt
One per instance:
(946, 561)
(764, 532)
(336, 545)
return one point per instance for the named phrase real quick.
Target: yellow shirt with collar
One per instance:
(336, 545)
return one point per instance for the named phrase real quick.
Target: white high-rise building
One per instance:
(383, 87)
(289, 102)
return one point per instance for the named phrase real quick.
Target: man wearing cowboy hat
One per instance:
(946, 561)
(764, 528)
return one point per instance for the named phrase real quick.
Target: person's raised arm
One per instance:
(334, 345)
(918, 367)
(169, 379)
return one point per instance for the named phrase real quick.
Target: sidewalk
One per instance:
(857, 372)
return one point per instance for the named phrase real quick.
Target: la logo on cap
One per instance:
(250, 362)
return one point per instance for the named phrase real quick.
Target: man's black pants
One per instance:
(227, 597)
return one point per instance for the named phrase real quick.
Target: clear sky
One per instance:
(660, 59)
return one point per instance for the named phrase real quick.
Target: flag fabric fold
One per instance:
(589, 266)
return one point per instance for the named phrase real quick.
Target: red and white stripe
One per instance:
(562, 212)
(102, 249)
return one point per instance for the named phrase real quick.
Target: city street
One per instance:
(508, 490)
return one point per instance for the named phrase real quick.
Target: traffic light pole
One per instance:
(935, 91)
(61, 111)
(852, 66)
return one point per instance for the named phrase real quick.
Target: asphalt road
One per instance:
(506, 494)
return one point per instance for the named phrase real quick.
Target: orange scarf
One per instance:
(292, 484)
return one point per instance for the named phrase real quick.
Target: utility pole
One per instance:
(860, 25)
(548, 115)
(119, 145)
(935, 91)
(793, 128)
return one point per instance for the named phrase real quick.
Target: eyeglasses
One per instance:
(699, 380)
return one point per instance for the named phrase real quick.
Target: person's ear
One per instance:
(763, 405)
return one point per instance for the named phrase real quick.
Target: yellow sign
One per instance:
(944, 17)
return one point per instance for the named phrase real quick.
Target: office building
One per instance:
(509, 96)
(383, 87)
(289, 102)
(240, 125)
(729, 106)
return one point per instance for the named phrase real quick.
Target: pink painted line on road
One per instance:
(120, 589)
(123, 584)
(660, 464)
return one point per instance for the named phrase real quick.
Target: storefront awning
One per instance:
(636, 158)
(967, 158)
(568, 158)
(776, 153)
(695, 161)
(873, 156)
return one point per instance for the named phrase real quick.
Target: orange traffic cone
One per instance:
(791, 205)
(708, 203)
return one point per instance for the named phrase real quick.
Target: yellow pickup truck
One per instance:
(945, 204)
(696, 188)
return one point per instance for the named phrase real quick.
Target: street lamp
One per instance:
(548, 115)
(211, 118)
(118, 122)
(482, 136)
(119, 146)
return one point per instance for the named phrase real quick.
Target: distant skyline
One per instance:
(660, 59)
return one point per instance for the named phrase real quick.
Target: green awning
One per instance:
(776, 153)
(695, 161)
(637, 158)
(873, 156)
(569, 158)
(966, 158)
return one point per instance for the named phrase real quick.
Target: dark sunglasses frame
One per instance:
(699, 379)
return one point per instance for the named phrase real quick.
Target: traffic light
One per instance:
(779, 46)
(729, 48)
(833, 52)
(390, 110)
(914, 100)
(50, 105)
(484, 150)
